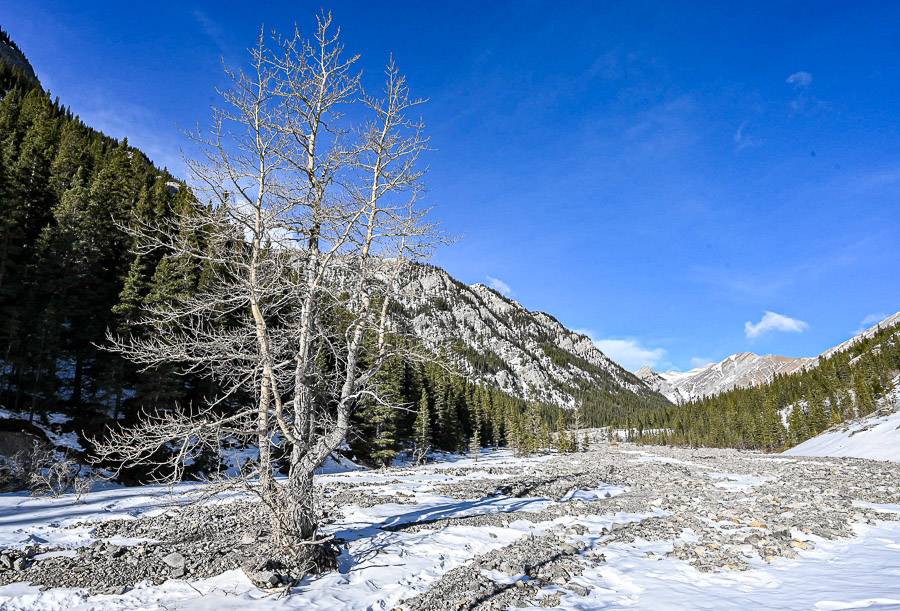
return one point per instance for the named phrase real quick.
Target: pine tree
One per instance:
(798, 430)
(774, 432)
(818, 421)
(475, 445)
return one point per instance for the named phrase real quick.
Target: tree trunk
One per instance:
(298, 520)
(78, 382)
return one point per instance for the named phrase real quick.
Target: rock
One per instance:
(116, 590)
(114, 551)
(5, 562)
(782, 533)
(756, 524)
(174, 560)
(551, 600)
(512, 567)
(578, 589)
(20, 564)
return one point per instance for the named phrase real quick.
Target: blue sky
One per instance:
(659, 176)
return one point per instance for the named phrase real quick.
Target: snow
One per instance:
(68, 441)
(876, 437)
(380, 568)
(845, 574)
(337, 463)
(383, 567)
(738, 482)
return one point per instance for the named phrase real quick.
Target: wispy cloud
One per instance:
(870, 320)
(212, 30)
(804, 101)
(662, 128)
(770, 283)
(145, 129)
(772, 321)
(800, 79)
(628, 352)
(699, 361)
(498, 285)
(743, 140)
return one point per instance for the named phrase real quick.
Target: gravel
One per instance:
(719, 510)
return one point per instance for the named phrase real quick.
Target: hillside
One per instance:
(741, 370)
(876, 436)
(736, 370)
(530, 355)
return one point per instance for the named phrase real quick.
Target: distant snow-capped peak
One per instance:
(740, 370)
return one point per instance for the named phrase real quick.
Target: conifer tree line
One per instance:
(65, 272)
(445, 412)
(788, 410)
(69, 276)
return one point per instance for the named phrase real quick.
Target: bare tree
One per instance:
(307, 223)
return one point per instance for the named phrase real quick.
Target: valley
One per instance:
(252, 377)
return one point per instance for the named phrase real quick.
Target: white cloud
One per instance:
(627, 352)
(800, 79)
(699, 361)
(870, 321)
(630, 354)
(498, 285)
(771, 321)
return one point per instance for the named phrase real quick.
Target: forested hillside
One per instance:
(66, 275)
(788, 410)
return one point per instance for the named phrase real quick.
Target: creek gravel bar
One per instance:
(718, 510)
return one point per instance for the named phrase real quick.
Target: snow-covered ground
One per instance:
(860, 573)
(382, 567)
(876, 437)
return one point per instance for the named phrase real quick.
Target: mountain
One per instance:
(737, 370)
(740, 370)
(530, 355)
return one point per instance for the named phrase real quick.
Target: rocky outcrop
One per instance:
(497, 341)
(13, 57)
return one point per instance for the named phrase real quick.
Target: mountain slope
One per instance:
(876, 436)
(741, 370)
(527, 354)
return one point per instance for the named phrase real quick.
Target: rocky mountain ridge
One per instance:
(11, 55)
(740, 370)
(496, 340)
